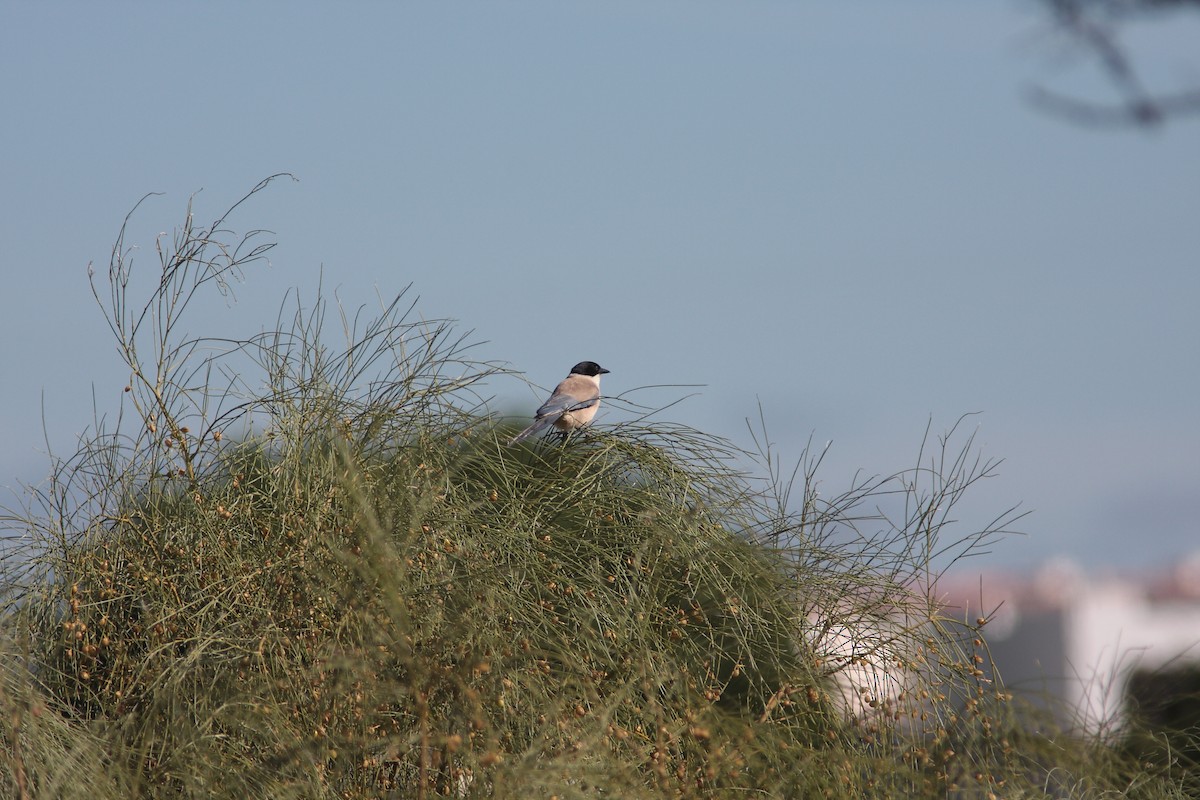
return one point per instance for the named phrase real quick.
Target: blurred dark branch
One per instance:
(1096, 25)
(1149, 110)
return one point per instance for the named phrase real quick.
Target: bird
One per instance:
(573, 403)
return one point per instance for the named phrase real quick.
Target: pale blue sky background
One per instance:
(845, 210)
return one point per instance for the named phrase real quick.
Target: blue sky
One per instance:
(844, 211)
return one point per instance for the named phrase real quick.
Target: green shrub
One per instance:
(340, 583)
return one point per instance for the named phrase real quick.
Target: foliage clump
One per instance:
(338, 582)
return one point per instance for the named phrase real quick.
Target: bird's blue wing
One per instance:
(560, 403)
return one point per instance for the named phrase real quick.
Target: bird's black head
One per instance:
(588, 368)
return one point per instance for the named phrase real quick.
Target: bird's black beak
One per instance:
(604, 371)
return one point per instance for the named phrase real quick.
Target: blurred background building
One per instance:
(1092, 647)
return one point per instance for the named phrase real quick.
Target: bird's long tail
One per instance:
(538, 424)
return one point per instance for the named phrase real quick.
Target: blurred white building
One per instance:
(1063, 635)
